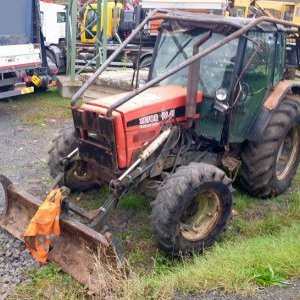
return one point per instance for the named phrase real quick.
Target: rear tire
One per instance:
(63, 145)
(51, 57)
(270, 164)
(191, 209)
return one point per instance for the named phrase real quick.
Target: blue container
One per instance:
(17, 22)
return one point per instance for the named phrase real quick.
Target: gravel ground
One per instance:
(23, 158)
(15, 262)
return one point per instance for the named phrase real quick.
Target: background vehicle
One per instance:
(53, 20)
(126, 18)
(23, 64)
(288, 11)
(89, 27)
(121, 20)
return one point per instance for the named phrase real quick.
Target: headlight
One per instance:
(221, 94)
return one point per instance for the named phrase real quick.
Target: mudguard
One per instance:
(259, 125)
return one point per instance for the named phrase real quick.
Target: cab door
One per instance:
(255, 84)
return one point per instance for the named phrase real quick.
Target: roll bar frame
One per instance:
(169, 15)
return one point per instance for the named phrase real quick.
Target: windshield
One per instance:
(91, 18)
(215, 68)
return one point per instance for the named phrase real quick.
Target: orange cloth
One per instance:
(43, 225)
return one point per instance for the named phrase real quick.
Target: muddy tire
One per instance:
(269, 165)
(63, 145)
(191, 209)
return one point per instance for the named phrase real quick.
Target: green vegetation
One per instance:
(233, 267)
(267, 277)
(95, 198)
(40, 107)
(50, 282)
(91, 200)
(135, 202)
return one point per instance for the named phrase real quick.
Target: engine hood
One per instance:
(156, 105)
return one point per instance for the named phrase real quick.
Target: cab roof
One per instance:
(217, 23)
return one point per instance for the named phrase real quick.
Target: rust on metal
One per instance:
(100, 174)
(77, 248)
(192, 91)
(278, 93)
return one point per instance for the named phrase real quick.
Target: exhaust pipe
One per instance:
(76, 249)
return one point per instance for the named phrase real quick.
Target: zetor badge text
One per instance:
(157, 117)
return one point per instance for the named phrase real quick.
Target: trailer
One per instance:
(23, 64)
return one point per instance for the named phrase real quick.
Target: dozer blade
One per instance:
(77, 247)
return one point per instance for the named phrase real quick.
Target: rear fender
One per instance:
(261, 122)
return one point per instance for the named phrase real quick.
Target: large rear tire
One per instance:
(191, 209)
(63, 145)
(269, 165)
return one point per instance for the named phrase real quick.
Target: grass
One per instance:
(95, 198)
(91, 200)
(49, 282)
(232, 267)
(267, 277)
(40, 108)
(135, 202)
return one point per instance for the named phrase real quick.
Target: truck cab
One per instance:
(53, 21)
(23, 65)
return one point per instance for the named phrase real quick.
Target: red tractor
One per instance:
(217, 103)
(220, 104)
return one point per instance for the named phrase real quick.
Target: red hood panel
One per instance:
(139, 121)
(155, 105)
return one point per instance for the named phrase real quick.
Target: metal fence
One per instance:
(76, 26)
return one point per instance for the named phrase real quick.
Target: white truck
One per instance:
(53, 21)
(23, 64)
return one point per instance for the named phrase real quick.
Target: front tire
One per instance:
(269, 165)
(63, 145)
(191, 209)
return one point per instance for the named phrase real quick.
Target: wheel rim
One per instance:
(201, 216)
(287, 154)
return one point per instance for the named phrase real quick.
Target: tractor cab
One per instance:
(234, 79)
